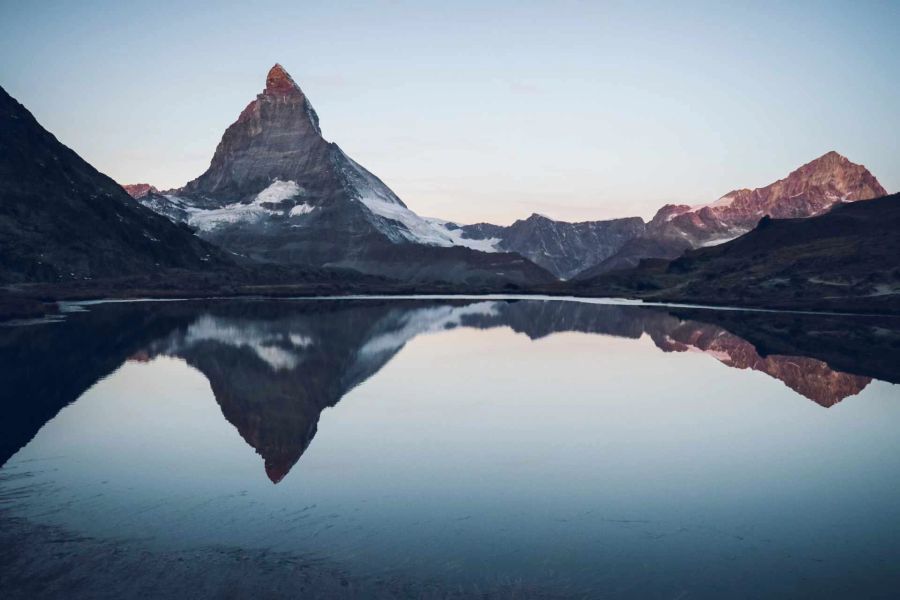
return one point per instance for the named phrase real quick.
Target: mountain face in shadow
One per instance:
(61, 220)
(275, 366)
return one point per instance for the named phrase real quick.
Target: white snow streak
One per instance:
(301, 209)
(278, 191)
(381, 201)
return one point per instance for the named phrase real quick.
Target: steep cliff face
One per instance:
(62, 220)
(275, 138)
(277, 191)
(813, 189)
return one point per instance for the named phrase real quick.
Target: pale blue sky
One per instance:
(578, 110)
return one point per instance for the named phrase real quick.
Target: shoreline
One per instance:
(23, 308)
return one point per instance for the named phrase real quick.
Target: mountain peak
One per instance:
(851, 180)
(139, 190)
(829, 160)
(279, 82)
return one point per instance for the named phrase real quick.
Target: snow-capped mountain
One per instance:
(277, 191)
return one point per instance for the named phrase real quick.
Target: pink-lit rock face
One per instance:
(279, 82)
(808, 191)
(811, 190)
(139, 190)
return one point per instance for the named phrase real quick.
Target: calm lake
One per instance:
(436, 448)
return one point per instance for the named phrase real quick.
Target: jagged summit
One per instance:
(279, 82)
(843, 175)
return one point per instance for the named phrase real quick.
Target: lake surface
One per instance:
(437, 448)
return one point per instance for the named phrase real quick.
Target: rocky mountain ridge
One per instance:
(139, 190)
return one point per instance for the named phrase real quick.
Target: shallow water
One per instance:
(532, 447)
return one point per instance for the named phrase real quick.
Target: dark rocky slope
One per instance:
(62, 220)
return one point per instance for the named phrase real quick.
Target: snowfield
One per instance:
(278, 191)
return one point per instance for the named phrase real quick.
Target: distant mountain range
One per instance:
(277, 191)
(587, 249)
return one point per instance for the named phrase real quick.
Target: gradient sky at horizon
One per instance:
(576, 110)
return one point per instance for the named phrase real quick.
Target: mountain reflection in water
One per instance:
(273, 366)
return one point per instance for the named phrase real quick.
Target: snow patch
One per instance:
(278, 191)
(722, 240)
(301, 209)
(722, 202)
